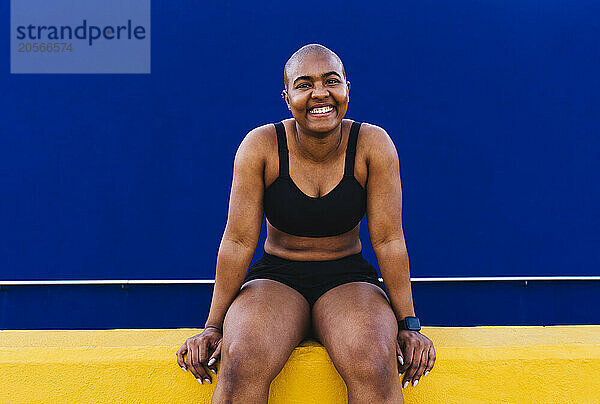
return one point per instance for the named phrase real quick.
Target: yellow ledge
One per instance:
(559, 364)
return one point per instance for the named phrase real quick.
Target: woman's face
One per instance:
(317, 92)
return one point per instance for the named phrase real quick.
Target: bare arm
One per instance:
(200, 352)
(384, 217)
(244, 220)
(416, 353)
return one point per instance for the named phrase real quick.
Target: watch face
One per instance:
(413, 323)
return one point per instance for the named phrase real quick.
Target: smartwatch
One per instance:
(410, 324)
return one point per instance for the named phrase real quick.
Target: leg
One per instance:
(357, 326)
(263, 325)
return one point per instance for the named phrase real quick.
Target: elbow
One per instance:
(385, 242)
(394, 245)
(237, 242)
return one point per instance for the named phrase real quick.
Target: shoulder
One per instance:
(376, 143)
(257, 144)
(259, 138)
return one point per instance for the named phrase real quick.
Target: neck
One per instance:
(318, 146)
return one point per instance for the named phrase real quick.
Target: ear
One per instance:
(284, 95)
(348, 93)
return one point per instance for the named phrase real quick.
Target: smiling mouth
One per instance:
(321, 111)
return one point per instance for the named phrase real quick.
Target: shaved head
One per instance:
(303, 52)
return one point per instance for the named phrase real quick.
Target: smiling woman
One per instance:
(314, 176)
(305, 88)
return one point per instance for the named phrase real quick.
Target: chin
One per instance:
(323, 126)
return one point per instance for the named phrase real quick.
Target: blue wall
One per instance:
(493, 107)
(162, 306)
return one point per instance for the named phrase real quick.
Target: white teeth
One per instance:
(321, 110)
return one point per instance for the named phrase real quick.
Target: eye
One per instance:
(332, 81)
(306, 85)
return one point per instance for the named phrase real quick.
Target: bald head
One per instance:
(301, 54)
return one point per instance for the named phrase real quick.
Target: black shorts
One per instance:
(313, 278)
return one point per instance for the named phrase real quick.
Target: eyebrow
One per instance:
(323, 76)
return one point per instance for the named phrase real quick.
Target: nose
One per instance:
(320, 91)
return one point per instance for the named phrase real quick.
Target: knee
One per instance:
(245, 361)
(369, 361)
(371, 367)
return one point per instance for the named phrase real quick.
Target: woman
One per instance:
(312, 279)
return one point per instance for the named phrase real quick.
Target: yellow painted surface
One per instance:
(559, 364)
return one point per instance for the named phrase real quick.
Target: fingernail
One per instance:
(415, 383)
(207, 380)
(212, 370)
(405, 384)
(199, 380)
(426, 373)
(184, 369)
(210, 362)
(401, 360)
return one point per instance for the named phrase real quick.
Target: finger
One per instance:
(399, 354)
(213, 358)
(414, 365)
(431, 360)
(193, 361)
(421, 368)
(407, 356)
(189, 358)
(425, 360)
(180, 360)
(202, 359)
(408, 360)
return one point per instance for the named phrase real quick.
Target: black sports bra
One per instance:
(292, 211)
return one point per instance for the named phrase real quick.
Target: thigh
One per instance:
(265, 322)
(357, 325)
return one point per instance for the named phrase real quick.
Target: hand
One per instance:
(197, 350)
(415, 354)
